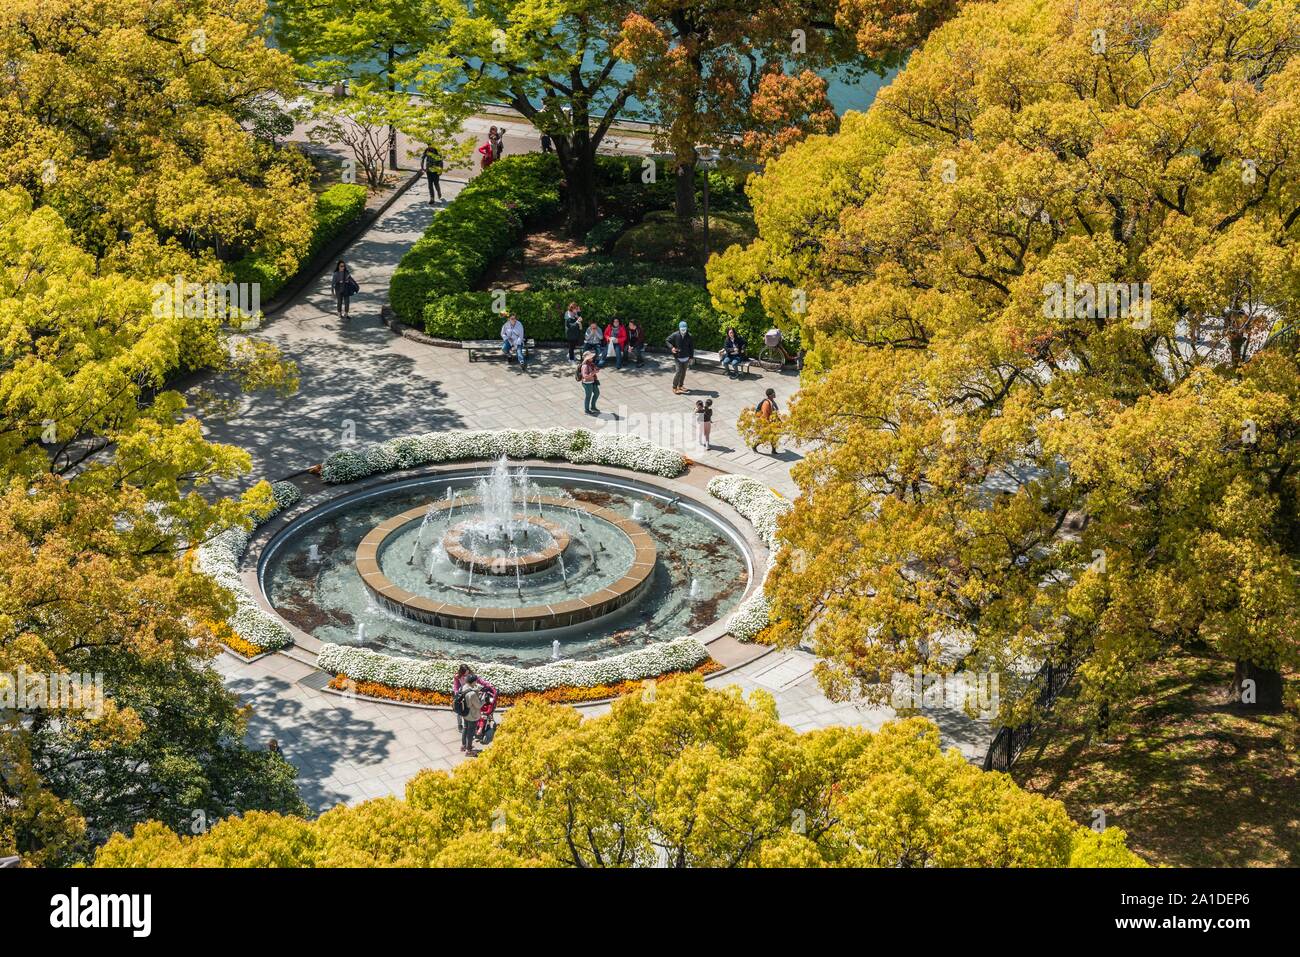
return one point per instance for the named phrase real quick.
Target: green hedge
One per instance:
(657, 306)
(485, 219)
(336, 209)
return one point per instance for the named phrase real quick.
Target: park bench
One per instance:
(492, 348)
(711, 360)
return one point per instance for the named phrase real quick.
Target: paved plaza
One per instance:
(362, 383)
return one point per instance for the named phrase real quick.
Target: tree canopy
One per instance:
(686, 777)
(1050, 285)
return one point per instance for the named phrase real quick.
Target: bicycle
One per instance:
(773, 357)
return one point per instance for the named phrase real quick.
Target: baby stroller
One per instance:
(487, 722)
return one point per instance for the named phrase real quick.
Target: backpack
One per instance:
(759, 408)
(459, 704)
(577, 376)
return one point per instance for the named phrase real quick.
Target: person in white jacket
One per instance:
(512, 339)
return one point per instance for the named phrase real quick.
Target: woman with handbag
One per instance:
(344, 288)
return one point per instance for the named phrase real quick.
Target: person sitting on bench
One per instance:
(512, 339)
(733, 352)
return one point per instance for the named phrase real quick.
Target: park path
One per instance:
(360, 382)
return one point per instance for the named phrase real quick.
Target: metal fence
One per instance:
(1008, 743)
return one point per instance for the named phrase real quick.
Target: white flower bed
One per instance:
(219, 560)
(762, 508)
(580, 446)
(362, 664)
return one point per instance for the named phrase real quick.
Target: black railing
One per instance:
(1008, 742)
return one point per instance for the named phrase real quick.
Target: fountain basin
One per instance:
(577, 610)
(498, 562)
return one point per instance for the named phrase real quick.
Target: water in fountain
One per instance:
(361, 633)
(695, 588)
(419, 537)
(555, 650)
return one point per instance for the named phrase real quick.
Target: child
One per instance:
(699, 421)
(706, 424)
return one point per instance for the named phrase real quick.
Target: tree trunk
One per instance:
(392, 130)
(685, 182)
(579, 167)
(1263, 693)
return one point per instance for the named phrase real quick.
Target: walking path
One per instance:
(361, 383)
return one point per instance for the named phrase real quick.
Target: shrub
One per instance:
(602, 236)
(658, 307)
(661, 237)
(336, 209)
(480, 224)
(592, 271)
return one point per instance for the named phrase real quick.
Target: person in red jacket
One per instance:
(615, 342)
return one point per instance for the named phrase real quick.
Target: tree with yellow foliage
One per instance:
(105, 484)
(683, 776)
(1051, 281)
(125, 116)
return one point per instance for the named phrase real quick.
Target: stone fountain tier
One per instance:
(496, 562)
(573, 611)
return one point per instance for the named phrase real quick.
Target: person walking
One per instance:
(573, 329)
(498, 140)
(588, 375)
(487, 155)
(766, 410)
(431, 163)
(615, 341)
(512, 340)
(636, 342)
(546, 143)
(592, 340)
(706, 424)
(682, 347)
(344, 288)
(733, 352)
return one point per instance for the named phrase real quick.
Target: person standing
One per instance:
(497, 138)
(344, 288)
(458, 682)
(591, 341)
(512, 340)
(470, 708)
(733, 352)
(636, 342)
(573, 329)
(588, 374)
(766, 410)
(615, 341)
(546, 143)
(486, 152)
(431, 163)
(682, 347)
(706, 424)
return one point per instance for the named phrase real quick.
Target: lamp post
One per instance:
(707, 157)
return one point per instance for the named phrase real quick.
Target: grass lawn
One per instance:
(1192, 781)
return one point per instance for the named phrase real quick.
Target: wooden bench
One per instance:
(711, 360)
(492, 348)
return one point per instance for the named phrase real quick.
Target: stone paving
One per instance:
(362, 383)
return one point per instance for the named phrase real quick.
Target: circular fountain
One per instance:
(515, 565)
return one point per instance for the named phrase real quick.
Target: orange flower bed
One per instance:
(240, 646)
(562, 695)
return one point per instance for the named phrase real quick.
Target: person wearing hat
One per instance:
(588, 375)
(682, 347)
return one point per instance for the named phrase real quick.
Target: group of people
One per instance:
(617, 341)
(474, 700)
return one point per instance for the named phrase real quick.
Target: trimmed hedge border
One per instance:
(337, 208)
(580, 446)
(485, 219)
(219, 560)
(657, 306)
(763, 509)
(362, 664)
